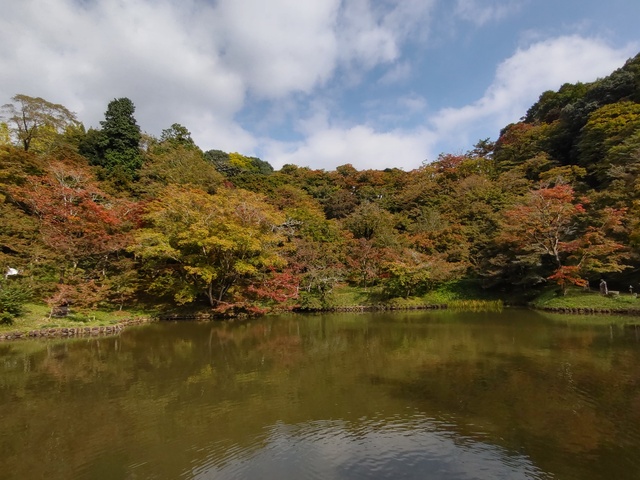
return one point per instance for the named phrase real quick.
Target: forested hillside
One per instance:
(111, 217)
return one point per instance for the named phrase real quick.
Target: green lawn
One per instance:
(579, 298)
(37, 317)
(451, 294)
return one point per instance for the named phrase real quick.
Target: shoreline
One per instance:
(376, 308)
(75, 332)
(589, 310)
(117, 328)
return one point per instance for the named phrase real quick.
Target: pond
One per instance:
(437, 395)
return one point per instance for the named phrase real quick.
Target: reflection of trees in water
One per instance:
(171, 394)
(568, 405)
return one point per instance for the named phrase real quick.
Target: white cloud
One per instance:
(204, 64)
(410, 18)
(518, 82)
(521, 79)
(412, 103)
(280, 46)
(194, 62)
(401, 71)
(481, 12)
(372, 33)
(362, 38)
(213, 132)
(84, 57)
(360, 145)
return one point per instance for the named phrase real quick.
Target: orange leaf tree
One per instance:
(81, 224)
(549, 224)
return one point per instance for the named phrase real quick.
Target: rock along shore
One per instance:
(382, 307)
(66, 332)
(591, 311)
(105, 330)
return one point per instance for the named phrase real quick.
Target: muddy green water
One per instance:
(424, 395)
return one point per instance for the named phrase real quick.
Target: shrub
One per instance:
(12, 299)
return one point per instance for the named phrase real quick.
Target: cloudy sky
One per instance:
(319, 83)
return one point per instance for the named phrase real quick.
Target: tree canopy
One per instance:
(201, 244)
(552, 202)
(34, 118)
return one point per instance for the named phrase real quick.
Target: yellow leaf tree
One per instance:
(198, 244)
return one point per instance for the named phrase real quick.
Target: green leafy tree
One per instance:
(175, 159)
(411, 273)
(520, 142)
(340, 204)
(235, 164)
(5, 134)
(116, 147)
(320, 268)
(33, 118)
(220, 161)
(12, 299)
(91, 145)
(369, 221)
(609, 139)
(177, 135)
(550, 104)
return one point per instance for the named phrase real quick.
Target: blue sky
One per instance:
(318, 83)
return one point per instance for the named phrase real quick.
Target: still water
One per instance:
(418, 395)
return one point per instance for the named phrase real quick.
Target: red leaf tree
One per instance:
(80, 223)
(550, 222)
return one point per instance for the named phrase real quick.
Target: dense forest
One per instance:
(112, 217)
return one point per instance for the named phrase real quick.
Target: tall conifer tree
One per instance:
(121, 137)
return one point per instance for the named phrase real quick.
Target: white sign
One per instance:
(11, 272)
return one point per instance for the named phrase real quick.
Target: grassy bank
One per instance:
(469, 296)
(458, 295)
(36, 317)
(581, 299)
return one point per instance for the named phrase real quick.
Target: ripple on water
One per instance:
(372, 449)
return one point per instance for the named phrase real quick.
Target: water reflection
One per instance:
(378, 449)
(411, 395)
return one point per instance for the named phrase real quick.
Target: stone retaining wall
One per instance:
(66, 332)
(382, 307)
(593, 311)
(188, 316)
(75, 331)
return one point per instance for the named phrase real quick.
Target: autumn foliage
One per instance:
(554, 201)
(78, 219)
